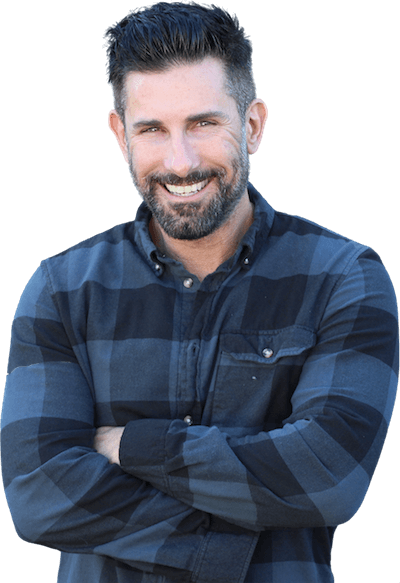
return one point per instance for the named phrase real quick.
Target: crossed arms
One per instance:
(171, 486)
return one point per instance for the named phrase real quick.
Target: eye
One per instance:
(150, 130)
(205, 123)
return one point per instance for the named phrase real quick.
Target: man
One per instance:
(202, 394)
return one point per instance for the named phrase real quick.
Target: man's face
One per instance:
(186, 147)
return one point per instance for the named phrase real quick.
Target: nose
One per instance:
(181, 157)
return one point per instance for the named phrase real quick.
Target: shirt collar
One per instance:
(263, 218)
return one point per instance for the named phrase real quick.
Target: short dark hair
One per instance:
(167, 34)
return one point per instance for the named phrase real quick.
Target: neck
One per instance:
(203, 256)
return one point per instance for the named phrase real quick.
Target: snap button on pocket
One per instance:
(188, 419)
(267, 352)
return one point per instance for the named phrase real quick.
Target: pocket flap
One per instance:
(268, 346)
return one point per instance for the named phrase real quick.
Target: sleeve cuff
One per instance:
(143, 443)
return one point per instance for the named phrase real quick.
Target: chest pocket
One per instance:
(255, 378)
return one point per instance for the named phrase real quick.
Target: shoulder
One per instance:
(293, 244)
(298, 246)
(113, 236)
(99, 258)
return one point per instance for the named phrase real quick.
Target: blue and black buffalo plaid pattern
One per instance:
(256, 404)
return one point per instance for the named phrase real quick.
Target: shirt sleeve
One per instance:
(65, 495)
(315, 470)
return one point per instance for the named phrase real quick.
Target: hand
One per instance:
(107, 441)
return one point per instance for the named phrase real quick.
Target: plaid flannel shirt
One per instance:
(256, 404)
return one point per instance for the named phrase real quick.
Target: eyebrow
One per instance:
(147, 123)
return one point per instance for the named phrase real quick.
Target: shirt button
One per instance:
(246, 260)
(188, 419)
(157, 266)
(267, 352)
(188, 282)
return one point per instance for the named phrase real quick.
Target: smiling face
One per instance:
(186, 146)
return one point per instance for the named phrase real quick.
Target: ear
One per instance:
(118, 129)
(256, 117)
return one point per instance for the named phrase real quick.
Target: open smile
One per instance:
(189, 190)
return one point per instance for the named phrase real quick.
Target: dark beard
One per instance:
(194, 220)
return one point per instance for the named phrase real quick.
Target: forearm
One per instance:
(297, 476)
(257, 482)
(79, 503)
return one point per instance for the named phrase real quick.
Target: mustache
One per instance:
(192, 178)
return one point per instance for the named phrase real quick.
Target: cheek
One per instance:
(145, 160)
(219, 153)
(230, 146)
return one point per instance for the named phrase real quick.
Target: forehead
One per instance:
(184, 88)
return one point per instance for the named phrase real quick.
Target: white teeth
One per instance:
(186, 190)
